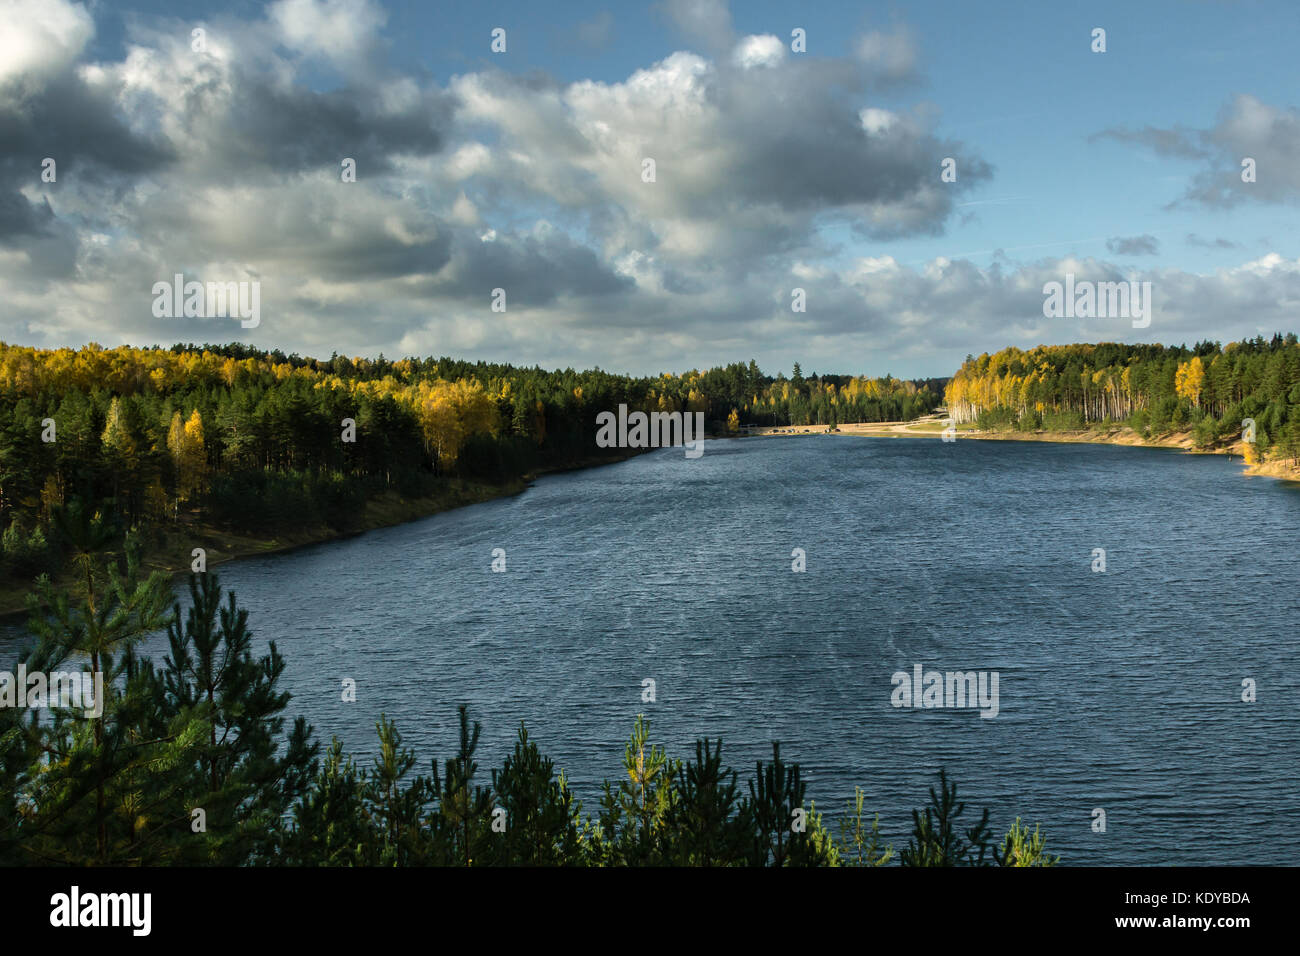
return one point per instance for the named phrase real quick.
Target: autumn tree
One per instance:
(185, 444)
(1190, 380)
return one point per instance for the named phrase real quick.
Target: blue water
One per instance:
(1118, 690)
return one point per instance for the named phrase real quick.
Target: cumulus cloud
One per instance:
(750, 154)
(41, 38)
(753, 51)
(342, 32)
(224, 165)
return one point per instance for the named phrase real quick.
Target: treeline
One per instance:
(259, 442)
(1209, 390)
(190, 764)
(840, 399)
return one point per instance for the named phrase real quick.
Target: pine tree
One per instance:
(708, 822)
(776, 792)
(398, 812)
(935, 840)
(211, 676)
(1022, 848)
(94, 759)
(860, 846)
(541, 814)
(633, 814)
(331, 826)
(464, 807)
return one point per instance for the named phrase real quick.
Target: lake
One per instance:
(1119, 690)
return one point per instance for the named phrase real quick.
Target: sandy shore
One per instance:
(932, 427)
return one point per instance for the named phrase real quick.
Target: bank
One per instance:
(170, 549)
(933, 427)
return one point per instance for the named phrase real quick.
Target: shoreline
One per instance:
(390, 509)
(1117, 435)
(384, 511)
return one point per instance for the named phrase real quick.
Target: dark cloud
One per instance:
(1194, 240)
(534, 270)
(233, 120)
(1145, 245)
(287, 129)
(751, 153)
(78, 126)
(800, 145)
(20, 218)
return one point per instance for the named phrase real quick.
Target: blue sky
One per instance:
(501, 169)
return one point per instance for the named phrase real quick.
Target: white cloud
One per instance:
(876, 121)
(341, 31)
(752, 51)
(39, 38)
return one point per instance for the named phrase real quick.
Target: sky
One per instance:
(524, 170)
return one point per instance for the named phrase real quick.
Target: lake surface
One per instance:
(1118, 690)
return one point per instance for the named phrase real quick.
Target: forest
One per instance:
(262, 443)
(1208, 391)
(191, 764)
(194, 760)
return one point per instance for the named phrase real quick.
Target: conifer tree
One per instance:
(1022, 848)
(331, 826)
(776, 792)
(90, 758)
(398, 812)
(464, 807)
(860, 846)
(541, 814)
(709, 823)
(211, 676)
(633, 814)
(935, 838)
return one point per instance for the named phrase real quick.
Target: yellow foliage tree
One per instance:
(1189, 379)
(117, 436)
(185, 443)
(450, 412)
